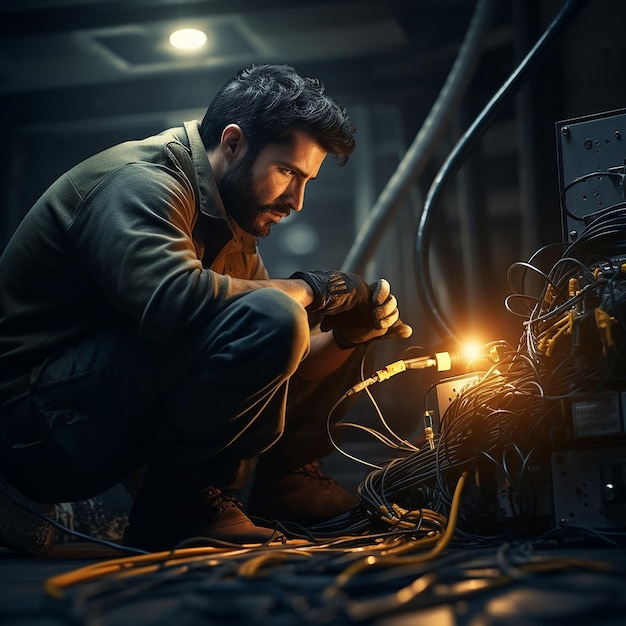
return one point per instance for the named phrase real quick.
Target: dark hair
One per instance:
(270, 102)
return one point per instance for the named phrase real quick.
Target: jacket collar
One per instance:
(210, 201)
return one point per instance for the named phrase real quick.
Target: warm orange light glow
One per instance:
(471, 350)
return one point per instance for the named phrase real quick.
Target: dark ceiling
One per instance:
(115, 57)
(78, 75)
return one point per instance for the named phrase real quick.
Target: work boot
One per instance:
(304, 495)
(21, 529)
(158, 523)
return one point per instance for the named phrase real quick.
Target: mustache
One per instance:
(280, 209)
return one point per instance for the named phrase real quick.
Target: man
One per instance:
(139, 328)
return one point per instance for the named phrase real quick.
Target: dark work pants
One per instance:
(203, 407)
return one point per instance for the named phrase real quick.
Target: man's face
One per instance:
(259, 193)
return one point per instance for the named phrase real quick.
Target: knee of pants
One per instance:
(284, 325)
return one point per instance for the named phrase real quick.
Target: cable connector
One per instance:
(442, 361)
(383, 374)
(429, 433)
(604, 322)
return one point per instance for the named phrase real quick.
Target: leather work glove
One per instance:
(376, 318)
(334, 291)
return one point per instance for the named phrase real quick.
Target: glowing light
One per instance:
(188, 39)
(471, 350)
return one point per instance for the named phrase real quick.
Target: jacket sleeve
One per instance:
(133, 234)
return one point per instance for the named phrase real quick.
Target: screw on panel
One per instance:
(573, 235)
(618, 135)
(565, 131)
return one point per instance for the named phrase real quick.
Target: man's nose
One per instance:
(294, 195)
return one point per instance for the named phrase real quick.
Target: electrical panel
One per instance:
(589, 487)
(591, 153)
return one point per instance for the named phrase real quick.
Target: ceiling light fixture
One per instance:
(188, 39)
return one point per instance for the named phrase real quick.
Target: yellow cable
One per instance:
(252, 567)
(147, 563)
(440, 543)
(127, 566)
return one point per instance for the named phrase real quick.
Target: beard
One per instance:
(241, 202)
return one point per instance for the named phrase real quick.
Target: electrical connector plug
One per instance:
(442, 361)
(429, 433)
(604, 322)
(382, 374)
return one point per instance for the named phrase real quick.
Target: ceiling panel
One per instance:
(99, 42)
(69, 63)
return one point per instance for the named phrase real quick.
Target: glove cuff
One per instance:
(318, 290)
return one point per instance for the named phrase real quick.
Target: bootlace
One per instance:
(223, 498)
(314, 470)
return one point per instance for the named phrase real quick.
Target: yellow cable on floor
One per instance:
(130, 566)
(263, 555)
(440, 543)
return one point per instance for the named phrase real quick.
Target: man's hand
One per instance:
(375, 318)
(335, 292)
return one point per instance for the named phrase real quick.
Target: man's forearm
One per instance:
(296, 288)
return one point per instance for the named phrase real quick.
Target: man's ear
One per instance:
(233, 142)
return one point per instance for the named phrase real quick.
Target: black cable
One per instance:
(420, 150)
(581, 179)
(460, 151)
